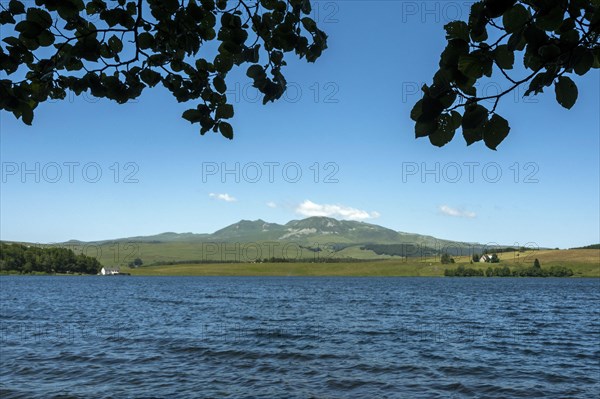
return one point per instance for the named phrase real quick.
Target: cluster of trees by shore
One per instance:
(30, 259)
(533, 271)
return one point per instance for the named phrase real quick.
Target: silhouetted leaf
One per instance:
(145, 40)
(115, 44)
(549, 52)
(477, 22)
(495, 8)
(416, 111)
(226, 130)
(584, 63)
(516, 42)
(538, 83)
(471, 66)
(552, 17)
(224, 111)
(255, 71)
(16, 7)
(504, 57)
(27, 114)
(431, 108)
(474, 118)
(219, 84)
(192, 115)
(423, 129)
(495, 130)
(150, 77)
(457, 30)
(515, 18)
(566, 92)
(446, 127)
(40, 17)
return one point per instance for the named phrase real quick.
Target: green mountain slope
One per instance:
(311, 239)
(306, 231)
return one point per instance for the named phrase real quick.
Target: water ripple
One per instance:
(88, 337)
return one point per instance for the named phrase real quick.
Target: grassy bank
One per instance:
(584, 263)
(379, 268)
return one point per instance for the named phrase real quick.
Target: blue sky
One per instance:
(346, 116)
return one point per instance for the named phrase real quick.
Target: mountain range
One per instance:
(253, 240)
(340, 238)
(314, 229)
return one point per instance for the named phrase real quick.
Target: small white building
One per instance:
(485, 258)
(105, 271)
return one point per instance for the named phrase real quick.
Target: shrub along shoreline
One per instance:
(534, 271)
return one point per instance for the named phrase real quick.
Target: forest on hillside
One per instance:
(29, 259)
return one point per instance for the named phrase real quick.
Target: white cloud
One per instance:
(460, 213)
(309, 208)
(223, 197)
(271, 204)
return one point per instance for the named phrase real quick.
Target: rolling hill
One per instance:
(312, 239)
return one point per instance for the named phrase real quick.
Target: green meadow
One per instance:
(584, 263)
(120, 253)
(366, 268)
(244, 259)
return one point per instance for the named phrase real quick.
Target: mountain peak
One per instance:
(314, 220)
(315, 227)
(247, 228)
(250, 221)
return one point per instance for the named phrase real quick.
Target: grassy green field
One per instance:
(121, 253)
(584, 263)
(368, 268)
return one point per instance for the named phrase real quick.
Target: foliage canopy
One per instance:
(556, 38)
(116, 49)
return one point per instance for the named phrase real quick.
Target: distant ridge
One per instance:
(316, 229)
(314, 238)
(593, 246)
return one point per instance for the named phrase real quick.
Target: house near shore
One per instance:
(485, 258)
(106, 271)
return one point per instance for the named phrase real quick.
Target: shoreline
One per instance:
(309, 276)
(366, 269)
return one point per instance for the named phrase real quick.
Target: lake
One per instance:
(243, 337)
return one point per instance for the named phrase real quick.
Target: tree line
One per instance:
(593, 246)
(533, 271)
(28, 259)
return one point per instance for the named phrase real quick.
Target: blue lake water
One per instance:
(298, 337)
